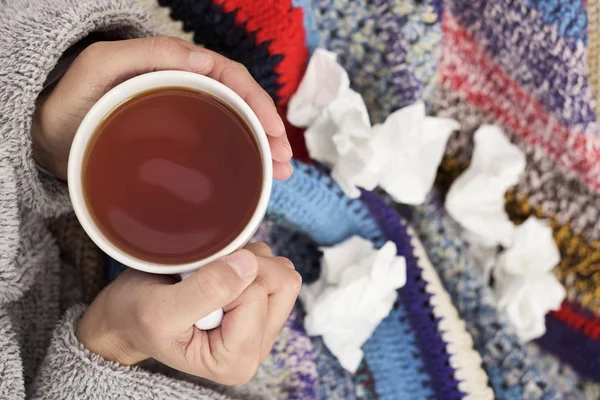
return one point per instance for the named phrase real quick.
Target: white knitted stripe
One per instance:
(463, 358)
(162, 15)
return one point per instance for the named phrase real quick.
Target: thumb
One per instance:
(120, 60)
(213, 286)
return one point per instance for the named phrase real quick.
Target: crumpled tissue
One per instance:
(401, 155)
(354, 293)
(476, 199)
(523, 281)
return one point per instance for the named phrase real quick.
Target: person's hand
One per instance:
(104, 65)
(141, 315)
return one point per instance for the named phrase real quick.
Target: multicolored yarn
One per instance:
(527, 65)
(389, 48)
(291, 369)
(563, 375)
(256, 34)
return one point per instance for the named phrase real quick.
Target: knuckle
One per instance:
(232, 68)
(259, 288)
(147, 319)
(294, 283)
(285, 262)
(94, 49)
(213, 286)
(240, 67)
(92, 53)
(262, 248)
(160, 45)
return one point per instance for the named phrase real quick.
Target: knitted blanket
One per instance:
(530, 66)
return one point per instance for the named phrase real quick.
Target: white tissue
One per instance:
(355, 292)
(401, 155)
(534, 251)
(476, 199)
(414, 144)
(526, 301)
(524, 284)
(324, 80)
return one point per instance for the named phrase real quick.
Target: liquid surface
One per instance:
(172, 176)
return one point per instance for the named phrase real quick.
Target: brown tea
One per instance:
(172, 176)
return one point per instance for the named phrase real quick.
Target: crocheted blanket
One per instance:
(529, 66)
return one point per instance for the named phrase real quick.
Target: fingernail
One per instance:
(199, 60)
(242, 263)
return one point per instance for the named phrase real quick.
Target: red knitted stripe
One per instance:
(296, 137)
(466, 69)
(277, 22)
(590, 326)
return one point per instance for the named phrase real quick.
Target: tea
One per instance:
(172, 176)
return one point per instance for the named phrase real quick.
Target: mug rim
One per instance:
(103, 109)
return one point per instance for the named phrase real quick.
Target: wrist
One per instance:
(95, 335)
(41, 147)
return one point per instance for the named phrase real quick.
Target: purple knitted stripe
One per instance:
(416, 300)
(438, 8)
(572, 347)
(295, 360)
(533, 54)
(404, 86)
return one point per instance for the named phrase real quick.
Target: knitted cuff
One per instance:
(70, 368)
(35, 35)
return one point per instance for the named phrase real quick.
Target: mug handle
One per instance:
(212, 320)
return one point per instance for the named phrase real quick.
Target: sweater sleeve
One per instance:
(34, 34)
(71, 371)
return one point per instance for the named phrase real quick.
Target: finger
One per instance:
(120, 60)
(210, 288)
(243, 326)
(235, 76)
(281, 150)
(260, 249)
(284, 284)
(282, 170)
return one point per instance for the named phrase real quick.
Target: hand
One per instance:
(141, 315)
(104, 65)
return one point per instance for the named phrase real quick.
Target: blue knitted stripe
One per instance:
(416, 299)
(395, 361)
(501, 390)
(569, 17)
(314, 204)
(313, 37)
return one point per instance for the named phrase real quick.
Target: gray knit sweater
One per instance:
(41, 295)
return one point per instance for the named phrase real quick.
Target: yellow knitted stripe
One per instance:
(579, 268)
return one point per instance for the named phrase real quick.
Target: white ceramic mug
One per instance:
(103, 109)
